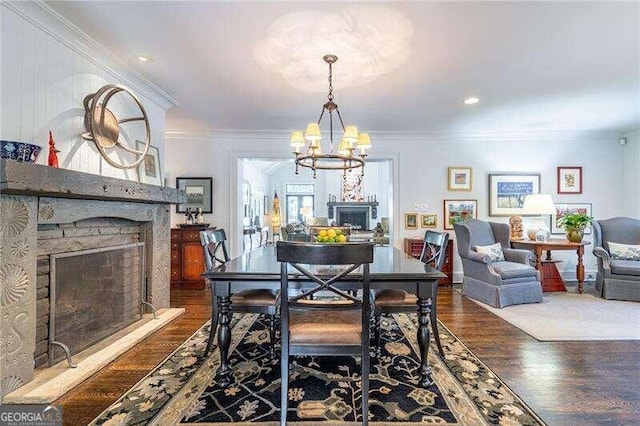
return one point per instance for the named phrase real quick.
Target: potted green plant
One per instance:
(574, 225)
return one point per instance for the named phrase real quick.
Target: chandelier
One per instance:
(345, 157)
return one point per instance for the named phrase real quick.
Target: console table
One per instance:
(551, 279)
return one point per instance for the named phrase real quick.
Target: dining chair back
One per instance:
(338, 326)
(259, 301)
(389, 301)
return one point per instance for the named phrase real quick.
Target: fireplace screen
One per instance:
(94, 294)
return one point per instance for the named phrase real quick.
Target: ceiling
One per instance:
(536, 66)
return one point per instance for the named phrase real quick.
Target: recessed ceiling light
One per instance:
(145, 59)
(471, 101)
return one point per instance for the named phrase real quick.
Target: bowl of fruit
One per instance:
(331, 235)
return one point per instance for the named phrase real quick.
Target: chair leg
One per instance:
(272, 335)
(214, 323)
(434, 329)
(377, 333)
(366, 367)
(284, 386)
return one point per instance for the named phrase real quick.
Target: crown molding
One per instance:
(61, 29)
(408, 136)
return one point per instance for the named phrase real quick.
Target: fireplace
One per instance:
(93, 294)
(357, 217)
(49, 215)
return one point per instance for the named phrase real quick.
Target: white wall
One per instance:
(421, 171)
(48, 66)
(632, 174)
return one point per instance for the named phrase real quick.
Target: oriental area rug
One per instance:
(322, 390)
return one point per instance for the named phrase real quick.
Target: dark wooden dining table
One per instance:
(259, 269)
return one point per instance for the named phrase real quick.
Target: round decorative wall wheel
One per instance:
(103, 127)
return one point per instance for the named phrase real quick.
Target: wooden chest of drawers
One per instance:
(413, 247)
(187, 261)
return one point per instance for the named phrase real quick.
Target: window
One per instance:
(300, 202)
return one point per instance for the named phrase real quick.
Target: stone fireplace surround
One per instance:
(37, 201)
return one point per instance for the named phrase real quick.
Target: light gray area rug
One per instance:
(571, 316)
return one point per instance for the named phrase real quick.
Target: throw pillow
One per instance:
(494, 251)
(620, 251)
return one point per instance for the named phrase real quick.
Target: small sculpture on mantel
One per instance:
(53, 152)
(189, 216)
(515, 222)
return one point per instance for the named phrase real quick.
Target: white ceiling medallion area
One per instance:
(370, 41)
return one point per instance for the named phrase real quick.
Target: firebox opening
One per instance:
(94, 294)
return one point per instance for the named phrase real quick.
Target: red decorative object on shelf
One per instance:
(53, 152)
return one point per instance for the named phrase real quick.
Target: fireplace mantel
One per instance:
(43, 181)
(352, 204)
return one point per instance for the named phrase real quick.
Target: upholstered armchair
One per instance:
(618, 276)
(507, 280)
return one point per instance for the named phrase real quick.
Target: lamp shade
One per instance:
(364, 141)
(350, 133)
(313, 132)
(537, 204)
(344, 147)
(297, 139)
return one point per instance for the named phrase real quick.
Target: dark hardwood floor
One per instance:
(566, 383)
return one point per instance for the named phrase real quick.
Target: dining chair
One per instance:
(247, 301)
(390, 301)
(324, 327)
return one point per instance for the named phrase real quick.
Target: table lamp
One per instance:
(538, 205)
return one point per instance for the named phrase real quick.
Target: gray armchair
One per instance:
(499, 284)
(616, 279)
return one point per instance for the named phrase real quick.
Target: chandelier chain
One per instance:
(330, 95)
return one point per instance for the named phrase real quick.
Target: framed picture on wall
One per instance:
(569, 180)
(199, 193)
(568, 208)
(149, 170)
(411, 221)
(460, 178)
(508, 190)
(456, 211)
(429, 220)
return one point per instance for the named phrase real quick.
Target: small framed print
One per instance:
(411, 221)
(568, 208)
(429, 220)
(199, 194)
(570, 180)
(149, 170)
(456, 211)
(460, 178)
